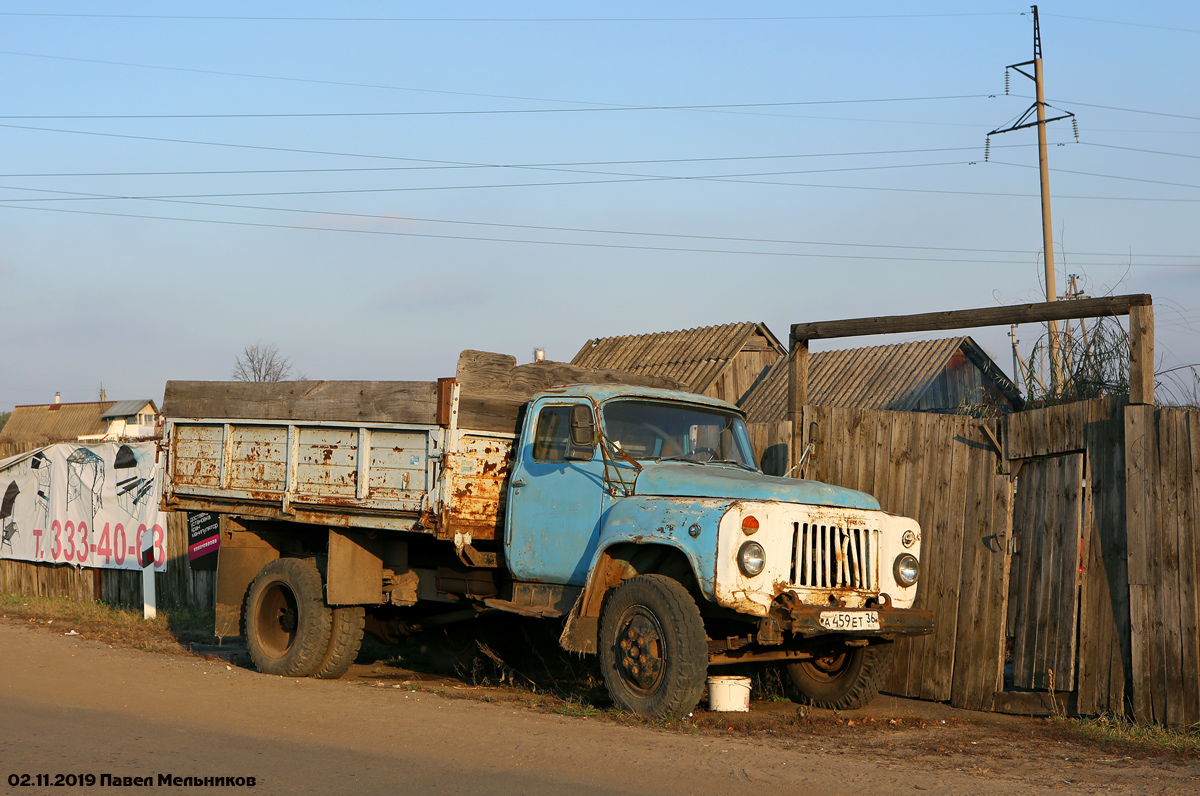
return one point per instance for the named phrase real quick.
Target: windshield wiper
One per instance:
(735, 463)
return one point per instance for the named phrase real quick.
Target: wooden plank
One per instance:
(1189, 569)
(966, 319)
(494, 388)
(1170, 434)
(1140, 462)
(1066, 578)
(979, 643)
(797, 395)
(1183, 705)
(500, 375)
(1113, 538)
(934, 470)
(1094, 619)
(942, 558)
(1027, 521)
(361, 401)
(1141, 354)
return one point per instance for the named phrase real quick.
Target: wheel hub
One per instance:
(641, 657)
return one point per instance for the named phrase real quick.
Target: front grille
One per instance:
(834, 557)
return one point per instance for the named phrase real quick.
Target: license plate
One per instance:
(849, 620)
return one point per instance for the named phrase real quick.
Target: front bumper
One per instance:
(805, 621)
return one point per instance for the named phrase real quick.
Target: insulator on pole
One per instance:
(1075, 127)
(1006, 81)
(987, 149)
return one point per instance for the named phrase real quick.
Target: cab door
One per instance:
(555, 498)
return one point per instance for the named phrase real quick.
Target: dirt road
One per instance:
(69, 705)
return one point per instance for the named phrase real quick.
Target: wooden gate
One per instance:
(944, 471)
(1048, 531)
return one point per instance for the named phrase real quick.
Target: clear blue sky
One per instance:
(375, 192)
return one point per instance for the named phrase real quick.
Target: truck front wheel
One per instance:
(287, 620)
(843, 677)
(653, 648)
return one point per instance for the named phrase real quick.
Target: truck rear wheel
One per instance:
(653, 648)
(287, 620)
(842, 678)
(345, 640)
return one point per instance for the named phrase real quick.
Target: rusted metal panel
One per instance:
(292, 469)
(476, 482)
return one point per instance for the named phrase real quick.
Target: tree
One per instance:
(264, 362)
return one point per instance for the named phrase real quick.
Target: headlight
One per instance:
(906, 569)
(752, 558)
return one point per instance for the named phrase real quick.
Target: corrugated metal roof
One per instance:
(878, 377)
(127, 407)
(695, 357)
(45, 423)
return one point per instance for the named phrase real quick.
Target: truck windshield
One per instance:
(652, 430)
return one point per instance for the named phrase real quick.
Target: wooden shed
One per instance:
(941, 375)
(723, 362)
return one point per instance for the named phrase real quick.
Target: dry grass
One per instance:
(1123, 737)
(169, 632)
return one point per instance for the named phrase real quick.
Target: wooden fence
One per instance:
(1162, 453)
(1060, 549)
(178, 587)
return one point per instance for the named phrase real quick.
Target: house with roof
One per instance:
(745, 364)
(943, 375)
(724, 362)
(44, 424)
(134, 418)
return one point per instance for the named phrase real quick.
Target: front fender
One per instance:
(689, 525)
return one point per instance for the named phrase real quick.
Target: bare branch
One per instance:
(262, 362)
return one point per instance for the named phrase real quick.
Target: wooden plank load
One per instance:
(344, 401)
(494, 387)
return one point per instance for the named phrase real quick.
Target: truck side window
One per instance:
(552, 438)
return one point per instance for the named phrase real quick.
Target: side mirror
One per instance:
(583, 427)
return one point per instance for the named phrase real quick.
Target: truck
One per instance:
(625, 507)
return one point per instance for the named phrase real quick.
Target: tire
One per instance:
(843, 679)
(653, 649)
(345, 640)
(287, 620)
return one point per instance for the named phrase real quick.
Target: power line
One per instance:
(230, 18)
(610, 109)
(583, 244)
(326, 192)
(1093, 174)
(565, 229)
(598, 105)
(1129, 24)
(657, 161)
(1144, 151)
(1115, 108)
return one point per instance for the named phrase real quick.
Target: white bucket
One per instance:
(729, 694)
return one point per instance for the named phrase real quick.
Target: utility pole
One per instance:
(1039, 110)
(1017, 370)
